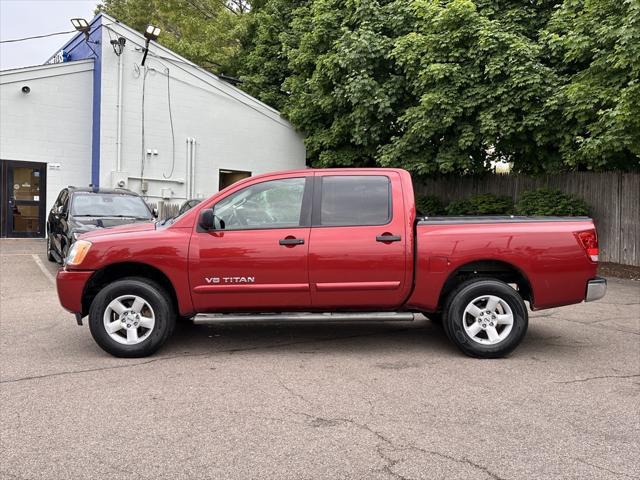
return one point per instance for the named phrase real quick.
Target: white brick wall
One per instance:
(232, 130)
(52, 124)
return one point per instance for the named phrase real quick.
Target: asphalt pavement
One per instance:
(377, 401)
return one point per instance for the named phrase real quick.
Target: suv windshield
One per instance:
(109, 205)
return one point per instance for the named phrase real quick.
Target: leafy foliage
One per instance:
(429, 205)
(595, 46)
(550, 202)
(483, 204)
(204, 31)
(433, 86)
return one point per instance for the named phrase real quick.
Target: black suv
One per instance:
(80, 210)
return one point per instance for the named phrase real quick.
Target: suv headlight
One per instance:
(77, 253)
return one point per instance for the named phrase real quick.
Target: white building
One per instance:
(94, 115)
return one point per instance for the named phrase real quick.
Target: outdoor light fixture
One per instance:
(151, 33)
(81, 25)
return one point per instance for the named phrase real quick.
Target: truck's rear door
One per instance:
(358, 240)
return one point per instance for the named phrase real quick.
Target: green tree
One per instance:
(595, 45)
(477, 83)
(344, 87)
(204, 31)
(262, 63)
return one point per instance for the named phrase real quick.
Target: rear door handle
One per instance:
(291, 241)
(388, 238)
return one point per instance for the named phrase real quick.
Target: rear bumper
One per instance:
(596, 289)
(70, 285)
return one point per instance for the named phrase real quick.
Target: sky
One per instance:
(25, 18)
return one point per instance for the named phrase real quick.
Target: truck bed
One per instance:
(545, 251)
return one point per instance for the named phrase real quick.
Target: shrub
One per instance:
(428, 205)
(484, 204)
(545, 201)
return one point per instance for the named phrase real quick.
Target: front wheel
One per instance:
(132, 317)
(485, 318)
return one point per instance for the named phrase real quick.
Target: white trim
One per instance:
(45, 71)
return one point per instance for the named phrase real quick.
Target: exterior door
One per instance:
(23, 209)
(256, 258)
(357, 251)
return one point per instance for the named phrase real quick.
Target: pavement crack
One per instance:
(293, 393)
(13, 475)
(587, 379)
(462, 460)
(599, 467)
(390, 462)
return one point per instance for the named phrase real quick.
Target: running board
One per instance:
(212, 318)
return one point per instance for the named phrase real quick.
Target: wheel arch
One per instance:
(488, 268)
(116, 271)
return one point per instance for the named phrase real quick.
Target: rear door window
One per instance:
(354, 200)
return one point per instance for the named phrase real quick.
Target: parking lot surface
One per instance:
(385, 401)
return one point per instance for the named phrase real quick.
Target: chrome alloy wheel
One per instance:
(488, 320)
(129, 319)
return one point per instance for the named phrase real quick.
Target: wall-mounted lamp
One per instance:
(81, 25)
(151, 33)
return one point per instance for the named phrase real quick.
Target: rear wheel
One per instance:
(485, 318)
(132, 317)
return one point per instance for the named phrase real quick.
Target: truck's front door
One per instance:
(357, 251)
(256, 258)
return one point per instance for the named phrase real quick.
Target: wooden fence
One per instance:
(614, 199)
(165, 210)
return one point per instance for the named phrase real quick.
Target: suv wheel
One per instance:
(50, 256)
(132, 317)
(485, 318)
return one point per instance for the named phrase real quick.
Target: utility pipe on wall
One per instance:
(190, 167)
(119, 121)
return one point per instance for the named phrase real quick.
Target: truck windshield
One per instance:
(109, 205)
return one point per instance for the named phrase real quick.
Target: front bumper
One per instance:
(70, 285)
(596, 289)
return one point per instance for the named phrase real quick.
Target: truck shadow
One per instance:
(309, 338)
(417, 337)
(543, 341)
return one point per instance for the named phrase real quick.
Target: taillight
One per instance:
(589, 241)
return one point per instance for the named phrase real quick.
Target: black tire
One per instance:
(150, 292)
(454, 317)
(50, 256)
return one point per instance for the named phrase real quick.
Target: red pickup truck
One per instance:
(327, 245)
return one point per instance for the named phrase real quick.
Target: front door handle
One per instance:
(388, 238)
(291, 241)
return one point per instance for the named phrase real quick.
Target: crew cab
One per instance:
(327, 245)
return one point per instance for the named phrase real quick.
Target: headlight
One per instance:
(77, 253)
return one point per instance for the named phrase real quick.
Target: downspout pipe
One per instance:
(119, 121)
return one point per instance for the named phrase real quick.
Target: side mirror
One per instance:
(207, 219)
(154, 212)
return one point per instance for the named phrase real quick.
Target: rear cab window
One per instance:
(352, 200)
